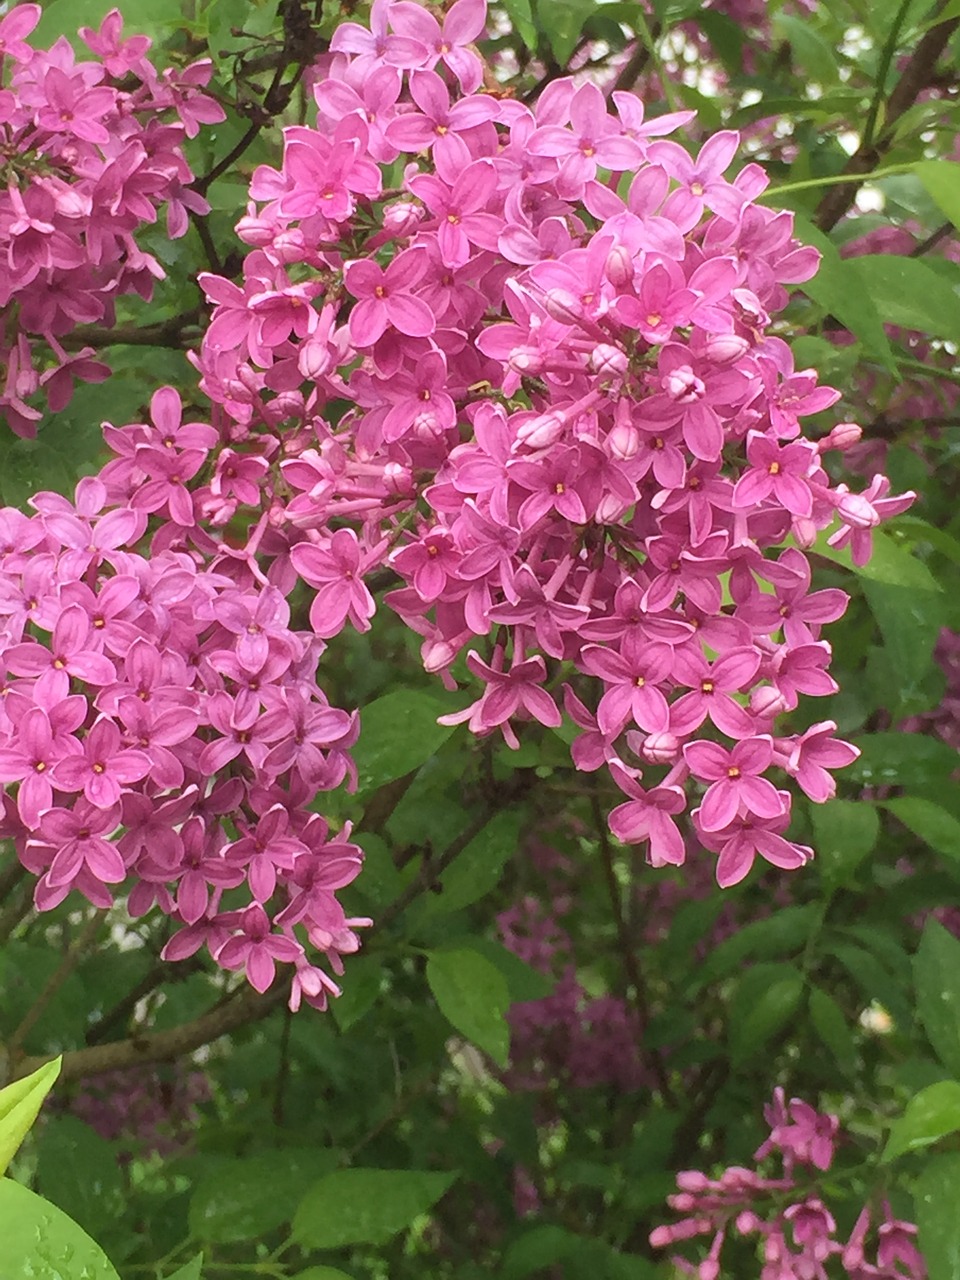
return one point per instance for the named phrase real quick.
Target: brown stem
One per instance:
(932, 240)
(631, 964)
(917, 75)
(169, 333)
(160, 1046)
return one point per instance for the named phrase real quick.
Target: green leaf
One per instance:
(929, 821)
(20, 1104)
(39, 1240)
(77, 1170)
(810, 50)
(360, 993)
(936, 1196)
(563, 25)
(190, 1270)
(246, 1198)
(845, 832)
(909, 293)
(473, 996)
(929, 1116)
(765, 1000)
(478, 868)
(781, 934)
(398, 733)
(521, 19)
(365, 1206)
(890, 563)
(904, 760)
(523, 981)
(874, 980)
(941, 179)
(537, 1248)
(832, 1027)
(936, 968)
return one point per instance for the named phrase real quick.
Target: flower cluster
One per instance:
(796, 1231)
(538, 382)
(537, 385)
(93, 150)
(143, 1109)
(163, 722)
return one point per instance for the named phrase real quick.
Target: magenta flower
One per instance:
(814, 752)
(735, 781)
(776, 471)
(72, 652)
(632, 678)
(103, 767)
(335, 569)
(437, 124)
(508, 693)
(256, 949)
(384, 298)
(15, 25)
(648, 815)
(463, 23)
(458, 208)
(31, 759)
(712, 686)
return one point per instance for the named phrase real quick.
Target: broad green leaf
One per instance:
(781, 934)
(40, 1241)
(191, 1270)
(765, 1000)
(936, 1196)
(845, 832)
(810, 50)
(937, 977)
(521, 19)
(477, 870)
(360, 993)
(398, 733)
(245, 1198)
(77, 1170)
(523, 981)
(929, 821)
(20, 1105)
(922, 531)
(903, 760)
(890, 563)
(539, 1247)
(833, 1029)
(473, 996)
(941, 179)
(910, 620)
(562, 23)
(909, 293)
(874, 980)
(365, 1206)
(929, 1116)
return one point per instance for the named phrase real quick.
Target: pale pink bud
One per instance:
(608, 359)
(767, 702)
(314, 360)
(855, 510)
(611, 508)
(692, 1180)
(255, 231)
(288, 246)
(287, 404)
(843, 436)
(401, 219)
(724, 348)
(563, 306)
(398, 479)
(525, 360)
(619, 267)
(542, 431)
(436, 655)
(624, 441)
(804, 532)
(661, 748)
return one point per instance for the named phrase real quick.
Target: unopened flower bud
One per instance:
(398, 479)
(525, 360)
(661, 748)
(804, 532)
(542, 431)
(608, 359)
(611, 508)
(314, 360)
(564, 306)
(619, 267)
(767, 702)
(855, 510)
(843, 436)
(401, 218)
(624, 441)
(724, 348)
(437, 654)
